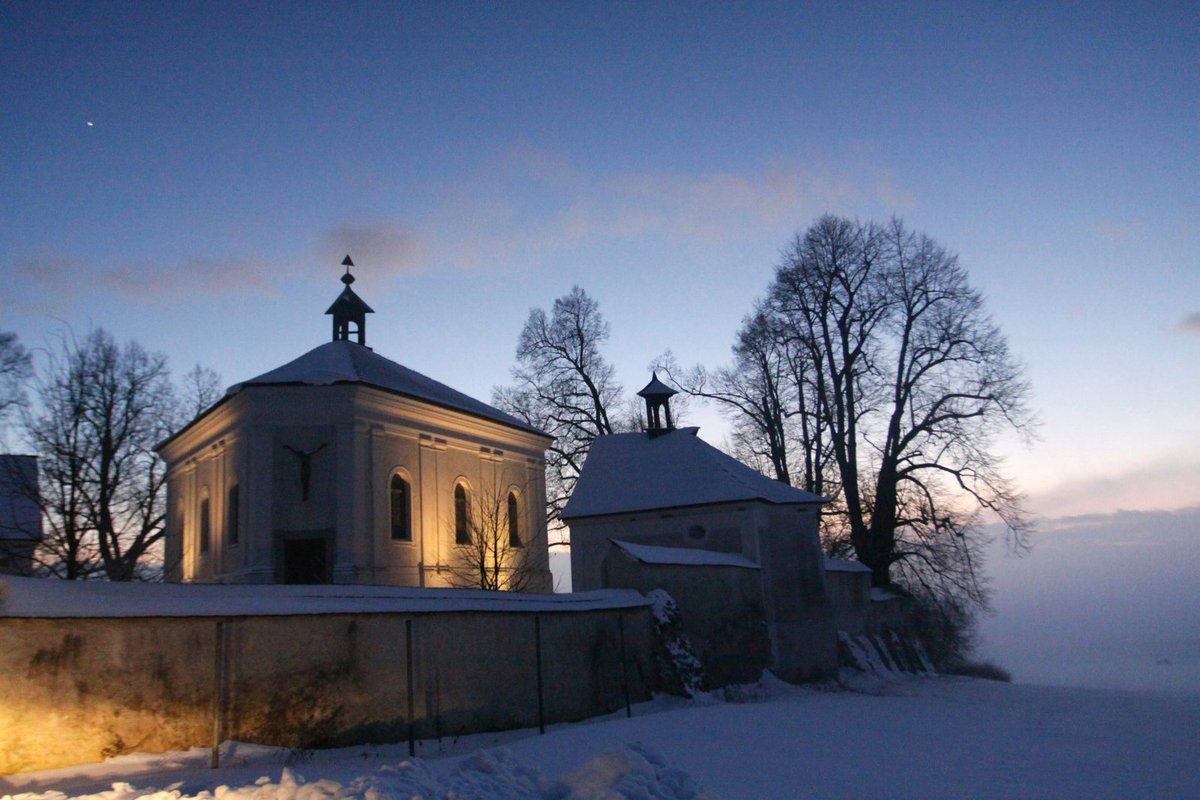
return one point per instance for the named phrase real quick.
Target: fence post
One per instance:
(218, 692)
(408, 650)
(537, 636)
(624, 666)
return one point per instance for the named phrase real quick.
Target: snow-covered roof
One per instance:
(684, 556)
(48, 597)
(842, 565)
(347, 362)
(627, 472)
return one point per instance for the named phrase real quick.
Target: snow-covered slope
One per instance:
(920, 738)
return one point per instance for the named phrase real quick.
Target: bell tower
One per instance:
(658, 405)
(349, 311)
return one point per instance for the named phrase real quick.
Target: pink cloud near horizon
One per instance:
(1163, 485)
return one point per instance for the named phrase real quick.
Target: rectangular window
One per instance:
(205, 526)
(231, 516)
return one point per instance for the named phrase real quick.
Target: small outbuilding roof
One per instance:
(627, 472)
(684, 556)
(346, 362)
(842, 565)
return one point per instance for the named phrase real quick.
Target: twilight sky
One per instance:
(190, 175)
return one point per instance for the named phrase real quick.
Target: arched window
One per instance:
(401, 494)
(462, 519)
(514, 520)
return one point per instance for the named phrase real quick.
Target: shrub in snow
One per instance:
(679, 667)
(980, 669)
(946, 628)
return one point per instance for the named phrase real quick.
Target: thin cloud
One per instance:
(1120, 231)
(387, 247)
(1190, 323)
(48, 275)
(1166, 484)
(527, 207)
(188, 277)
(48, 271)
(536, 205)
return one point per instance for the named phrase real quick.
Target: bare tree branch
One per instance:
(563, 386)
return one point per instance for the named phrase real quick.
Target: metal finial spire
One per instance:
(347, 263)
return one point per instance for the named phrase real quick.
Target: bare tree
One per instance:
(563, 386)
(755, 393)
(493, 550)
(913, 382)
(199, 389)
(14, 370)
(101, 408)
(873, 363)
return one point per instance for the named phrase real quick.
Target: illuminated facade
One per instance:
(345, 467)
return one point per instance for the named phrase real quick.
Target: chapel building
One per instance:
(345, 467)
(737, 551)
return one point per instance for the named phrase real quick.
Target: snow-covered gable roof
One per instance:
(347, 362)
(684, 556)
(627, 472)
(842, 565)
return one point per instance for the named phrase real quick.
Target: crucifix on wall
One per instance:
(305, 458)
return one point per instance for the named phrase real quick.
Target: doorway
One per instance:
(303, 559)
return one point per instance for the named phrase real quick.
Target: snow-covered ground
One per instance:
(1104, 601)
(924, 738)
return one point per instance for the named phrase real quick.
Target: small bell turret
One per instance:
(349, 311)
(658, 406)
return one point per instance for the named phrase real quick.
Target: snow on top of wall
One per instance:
(627, 472)
(347, 362)
(842, 565)
(684, 556)
(882, 595)
(48, 597)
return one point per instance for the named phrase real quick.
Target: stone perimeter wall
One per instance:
(80, 690)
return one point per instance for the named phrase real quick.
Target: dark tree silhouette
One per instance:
(563, 386)
(14, 370)
(199, 389)
(871, 374)
(101, 407)
(914, 383)
(768, 395)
